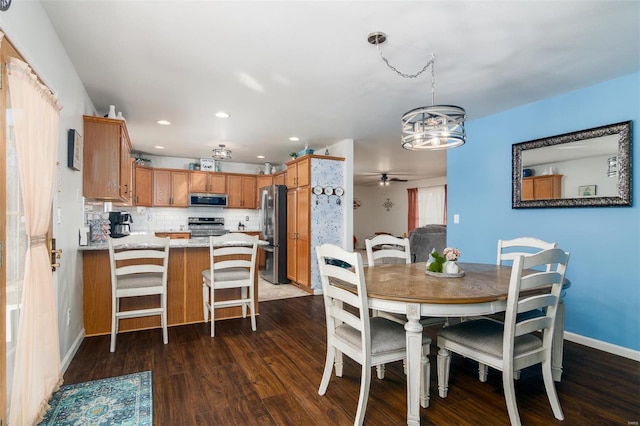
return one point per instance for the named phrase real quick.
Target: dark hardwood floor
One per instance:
(271, 377)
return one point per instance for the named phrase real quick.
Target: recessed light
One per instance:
(222, 114)
(294, 139)
(159, 147)
(260, 156)
(164, 122)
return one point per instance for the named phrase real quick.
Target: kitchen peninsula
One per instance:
(187, 259)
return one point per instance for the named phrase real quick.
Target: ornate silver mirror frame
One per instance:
(623, 132)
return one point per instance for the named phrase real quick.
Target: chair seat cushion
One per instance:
(229, 274)
(486, 336)
(386, 336)
(148, 279)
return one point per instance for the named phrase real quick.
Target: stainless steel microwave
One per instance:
(208, 200)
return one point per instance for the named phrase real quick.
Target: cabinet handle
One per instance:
(137, 199)
(170, 200)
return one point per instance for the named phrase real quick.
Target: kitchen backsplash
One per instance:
(151, 219)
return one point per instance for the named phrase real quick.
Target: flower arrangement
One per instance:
(448, 254)
(451, 254)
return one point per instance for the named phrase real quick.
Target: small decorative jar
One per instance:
(450, 267)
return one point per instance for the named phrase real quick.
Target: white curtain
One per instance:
(431, 208)
(37, 368)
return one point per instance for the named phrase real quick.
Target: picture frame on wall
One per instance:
(74, 150)
(587, 190)
(207, 164)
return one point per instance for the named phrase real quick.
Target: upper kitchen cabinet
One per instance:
(280, 178)
(298, 172)
(241, 191)
(207, 182)
(143, 186)
(170, 188)
(106, 163)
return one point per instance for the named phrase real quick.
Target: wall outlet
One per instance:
(247, 219)
(68, 316)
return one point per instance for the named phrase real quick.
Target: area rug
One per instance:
(268, 291)
(123, 400)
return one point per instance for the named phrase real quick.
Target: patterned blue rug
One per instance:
(124, 400)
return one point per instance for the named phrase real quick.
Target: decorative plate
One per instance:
(328, 190)
(339, 191)
(317, 190)
(443, 275)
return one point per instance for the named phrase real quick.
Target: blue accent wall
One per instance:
(603, 302)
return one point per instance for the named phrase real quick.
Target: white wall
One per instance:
(372, 216)
(29, 30)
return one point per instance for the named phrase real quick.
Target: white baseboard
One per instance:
(72, 351)
(603, 346)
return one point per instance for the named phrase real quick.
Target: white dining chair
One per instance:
(232, 265)
(369, 341)
(139, 265)
(508, 250)
(384, 247)
(514, 344)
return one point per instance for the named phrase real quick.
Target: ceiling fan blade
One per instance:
(398, 180)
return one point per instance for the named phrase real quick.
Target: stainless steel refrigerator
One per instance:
(273, 224)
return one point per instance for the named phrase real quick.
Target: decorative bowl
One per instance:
(444, 275)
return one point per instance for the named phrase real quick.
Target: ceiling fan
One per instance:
(384, 179)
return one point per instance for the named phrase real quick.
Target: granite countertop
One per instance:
(177, 243)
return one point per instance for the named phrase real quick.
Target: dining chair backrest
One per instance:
(139, 265)
(519, 301)
(335, 297)
(387, 247)
(508, 250)
(244, 253)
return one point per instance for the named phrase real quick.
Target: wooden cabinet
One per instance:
(298, 172)
(543, 187)
(298, 243)
(241, 191)
(174, 235)
(280, 178)
(263, 180)
(106, 168)
(143, 186)
(170, 188)
(207, 182)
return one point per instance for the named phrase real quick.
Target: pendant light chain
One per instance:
(400, 73)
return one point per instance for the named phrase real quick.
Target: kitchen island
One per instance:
(187, 259)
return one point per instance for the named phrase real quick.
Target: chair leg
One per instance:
(510, 398)
(444, 365)
(425, 377)
(243, 294)
(365, 383)
(557, 347)
(328, 366)
(205, 300)
(212, 302)
(547, 375)
(482, 372)
(253, 310)
(163, 318)
(114, 326)
(338, 363)
(380, 371)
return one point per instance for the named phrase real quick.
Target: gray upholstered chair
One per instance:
(424, 239)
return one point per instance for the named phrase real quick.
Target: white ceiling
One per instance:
(304, 68)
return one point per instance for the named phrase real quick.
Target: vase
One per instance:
(112, 111)
(450, 267)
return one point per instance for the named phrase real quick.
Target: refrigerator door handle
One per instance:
(270, 249)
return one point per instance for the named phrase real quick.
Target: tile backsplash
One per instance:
(152, 219)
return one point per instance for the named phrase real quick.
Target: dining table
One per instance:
(409, 290)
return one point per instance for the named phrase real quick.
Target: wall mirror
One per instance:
(587, 168)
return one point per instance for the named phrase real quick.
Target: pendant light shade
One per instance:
(221, 153)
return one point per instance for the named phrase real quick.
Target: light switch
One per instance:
(59, 215)
(456, 218)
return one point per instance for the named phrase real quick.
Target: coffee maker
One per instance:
(120, 224)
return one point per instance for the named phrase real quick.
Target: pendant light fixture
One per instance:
(432, 127)
(221, 153)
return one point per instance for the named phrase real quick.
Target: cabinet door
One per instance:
(249, 192)
(101, 159)
(143, 186)
(125, 166)
(527, 189)
(217, 184)
(303, 258)
(292, 175)
(304, 172)
(234, 191)
(161, 188)
(279, 179)
(198, 181)
(179, 189)
(291, 234)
